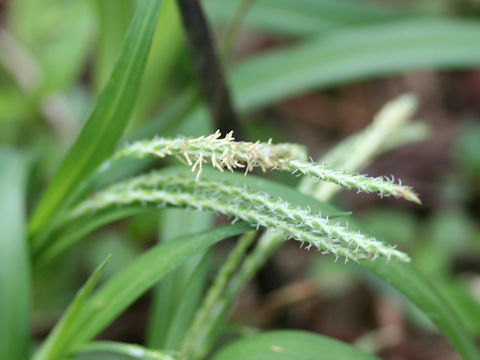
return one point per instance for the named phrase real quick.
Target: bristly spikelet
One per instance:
(257, 208)
(226, 153)
(222, 153)
(363, 183)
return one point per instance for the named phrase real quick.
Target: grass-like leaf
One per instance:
(54, 344)
(287, 345)
(14, 257)
(114, 16)
(424, 294)
(136, 278)
(302, 17)
(176, 297)
(184, 292)
(98, 349)
(354, 54)
(67, 236)
(105, 125)
(167, 46)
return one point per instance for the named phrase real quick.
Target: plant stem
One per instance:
(207, 66)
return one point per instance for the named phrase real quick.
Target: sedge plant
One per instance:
(216, 174)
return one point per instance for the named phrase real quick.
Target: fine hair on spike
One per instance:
(240, 202)
(226, 153)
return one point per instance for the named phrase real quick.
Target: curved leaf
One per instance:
(57, 33)
(139, 276)
(287, 345)
(99, 349)
(114, 16)
(69, 235)
(423, 293)
(353, 54)
(301, 17)
(176, 298)
(52, 347)
(105, 125)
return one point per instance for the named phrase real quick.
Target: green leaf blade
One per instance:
(302, 17)
(52, 347)
(287, 345)
(124, 288)
(14, 258)
(98, 349)
(108, 120)
(354, 54)
(410, 282)
(176, 297)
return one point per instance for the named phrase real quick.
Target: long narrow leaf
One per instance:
(114, 17)
(105, 125)
(412, 284)
(194, 289)
(176, 293)
(302, 17)
(69, 235)
(354, 54)
(98, 349)
(167, 45)
(139, 276)
(52, 347)
(14, 258)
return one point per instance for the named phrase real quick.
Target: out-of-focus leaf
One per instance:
(301, 17)
(354, 54)
(54, 346)
(69, 235)
(14, 258)
(348, 55)
(186, 309)
(177, 296)
(166, 48)
(467, 150)
(109, 350)
(468, 306)
(114, 17)
(57, 33)
(105, 125)
(287, 345)
(139, 276)
(423, 293)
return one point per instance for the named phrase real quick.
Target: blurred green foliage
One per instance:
(56, 57)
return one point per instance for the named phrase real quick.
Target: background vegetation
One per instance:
(78, 79)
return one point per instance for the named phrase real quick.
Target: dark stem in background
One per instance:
(208, 67)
